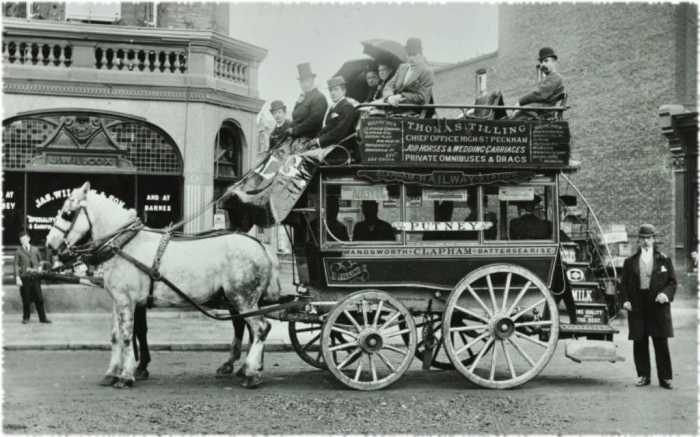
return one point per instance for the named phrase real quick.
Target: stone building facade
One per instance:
(157, 105)
(620, 63)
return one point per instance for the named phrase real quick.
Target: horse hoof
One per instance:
(225, 369)
(124, 383)
(108, 380)
(252, 381)
(141, 374)
(241, 371)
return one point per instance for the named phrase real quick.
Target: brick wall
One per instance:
(202, 16)
(620, 62)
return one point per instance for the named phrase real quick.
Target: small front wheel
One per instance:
(362, 340)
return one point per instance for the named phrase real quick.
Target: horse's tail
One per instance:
(274, 286)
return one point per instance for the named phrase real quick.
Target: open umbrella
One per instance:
(354, 74)
(385, 51)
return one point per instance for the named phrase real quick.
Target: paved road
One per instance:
(57, 392)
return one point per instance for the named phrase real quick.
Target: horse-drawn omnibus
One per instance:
(443, 239)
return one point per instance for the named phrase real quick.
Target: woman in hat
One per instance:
(647, 290)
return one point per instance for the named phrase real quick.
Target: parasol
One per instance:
(354, 74)
(385, 51)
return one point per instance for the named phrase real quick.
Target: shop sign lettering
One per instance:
(8, 203)
(441, 226)
(64, 193)
(83, 160)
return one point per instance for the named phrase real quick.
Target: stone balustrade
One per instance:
(231, 69)
(140, 59)
(42, 53)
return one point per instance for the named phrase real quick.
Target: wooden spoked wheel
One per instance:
(368, 353)
(512, 321)
(306, 341)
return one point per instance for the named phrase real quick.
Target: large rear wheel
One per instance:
(512, 324)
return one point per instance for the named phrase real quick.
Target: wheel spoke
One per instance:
(531, 340)
(395, 349)
(386, 362)
(493, 362)
(470, 313)
(389, 320)
(349, 358)
(479, 301)
(373, 368)
(491, 293)
(394, 334)
(376, 315)
(358, 372)
(520, 296)
(352, 320)
(522, 352)
(313, 328)
(342, 346)
(481, 354)
(472, 343)
(534, 305)
(343, 331)
(312, 341)
(364, 312)
(508, 360)
(535, 323)
(505, 291)
(468, 328)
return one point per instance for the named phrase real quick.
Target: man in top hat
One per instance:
(548, 91)
(339, 121)
(27, 261)
(307, 116)
(647, 289)
(282, 124)
(413, 81)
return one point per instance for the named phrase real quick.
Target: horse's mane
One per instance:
(102, 202)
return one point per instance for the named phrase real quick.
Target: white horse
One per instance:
(235, 263)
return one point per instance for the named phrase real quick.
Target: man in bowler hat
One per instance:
(647, 289)
(413, 81)
(27, 261)
(339, 121)
(279, 133)
(307, 116)
(548, 91)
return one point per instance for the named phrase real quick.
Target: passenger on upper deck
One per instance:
(413, 81)
(279, 133)
(529, 226)
(307, 116)
(339, 121)
(386, 72)
(372, 78)
(548, 91)
(372, 228)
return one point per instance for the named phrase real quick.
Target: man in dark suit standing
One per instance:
(339, 121)
(647, 290)
(413, 82)
(27, 261)
(279, 133)
(307, 116)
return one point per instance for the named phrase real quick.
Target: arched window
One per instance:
(228, 157)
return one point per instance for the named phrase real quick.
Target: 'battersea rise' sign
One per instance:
(467, 142)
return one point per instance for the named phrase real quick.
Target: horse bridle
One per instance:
(72, 217)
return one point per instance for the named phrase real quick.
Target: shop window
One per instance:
(520, 212)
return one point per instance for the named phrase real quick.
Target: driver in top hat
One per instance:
(307, 116)
(548, 91)
(339, 121)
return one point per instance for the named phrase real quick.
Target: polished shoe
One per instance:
(666, 383)
(642, 381)
(25, 321)
(45, 321)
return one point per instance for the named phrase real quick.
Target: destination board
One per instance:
(465, 142)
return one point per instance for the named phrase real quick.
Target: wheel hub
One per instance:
(371, 341)
(503, 328)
